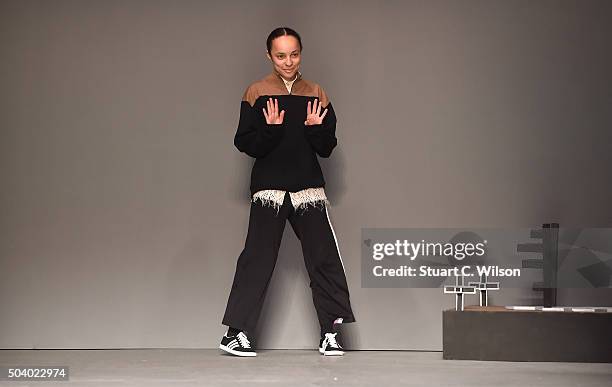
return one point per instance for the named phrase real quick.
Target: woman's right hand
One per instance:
(272, 115)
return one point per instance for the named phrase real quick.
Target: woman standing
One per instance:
(285, 122)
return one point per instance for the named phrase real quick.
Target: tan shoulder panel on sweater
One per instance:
(273, 85)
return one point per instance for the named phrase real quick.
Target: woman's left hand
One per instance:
(313, 116)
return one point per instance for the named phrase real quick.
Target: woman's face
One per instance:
(285, 56)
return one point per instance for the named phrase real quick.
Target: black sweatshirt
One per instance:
(286, 154)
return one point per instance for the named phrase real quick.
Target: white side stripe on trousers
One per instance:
(335, 239)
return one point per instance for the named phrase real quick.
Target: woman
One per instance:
(285, 122)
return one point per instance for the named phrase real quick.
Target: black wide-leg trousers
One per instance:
(258, 258)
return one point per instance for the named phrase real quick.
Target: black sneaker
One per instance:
(238, 345)
(328, 345)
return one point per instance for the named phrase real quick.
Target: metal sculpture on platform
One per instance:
(483, 288)
(548, 263)
(459, 290)
(549, 234)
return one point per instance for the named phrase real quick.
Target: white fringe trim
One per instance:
(271, 198)
(300, 200)
(314, 197)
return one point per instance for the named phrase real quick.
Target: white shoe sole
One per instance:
(236, 353)
(330, 353)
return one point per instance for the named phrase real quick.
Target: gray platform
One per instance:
(496, 333)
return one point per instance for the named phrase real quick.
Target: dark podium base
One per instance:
(495, 333)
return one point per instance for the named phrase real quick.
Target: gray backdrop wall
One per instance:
(124, 204)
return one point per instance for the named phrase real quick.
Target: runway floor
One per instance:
(209, 367)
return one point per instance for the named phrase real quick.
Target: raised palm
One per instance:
(272, 115)
(313, 114)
